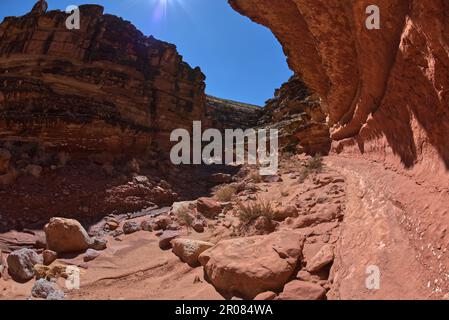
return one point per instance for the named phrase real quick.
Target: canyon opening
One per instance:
(126, 173)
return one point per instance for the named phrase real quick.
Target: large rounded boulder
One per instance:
(66, 236)
(246, 267)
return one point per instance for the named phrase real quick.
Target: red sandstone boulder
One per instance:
(246, 267)
(209, 207)
(189, 250)
(66, 236)
(300, 290)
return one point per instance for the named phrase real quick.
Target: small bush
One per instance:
(255, 177)
(315, 163)
(185, 217)
(252, 211)
(226, 193)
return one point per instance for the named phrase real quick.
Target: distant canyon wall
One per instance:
(385, 92)
(103, 88)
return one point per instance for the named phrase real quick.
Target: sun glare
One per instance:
(161, 8)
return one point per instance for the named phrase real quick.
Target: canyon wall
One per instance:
(298, 116)
(385, 92)
(103, 88)
(228, 114)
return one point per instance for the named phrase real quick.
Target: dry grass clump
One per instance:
(255, 177)
(226, 193)
(254, 210)
(313, 165)
(185, 217)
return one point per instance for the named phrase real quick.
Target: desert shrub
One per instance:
(315, 163)
(255, 177)
(185, 217)
(226, 193)
(252, 211)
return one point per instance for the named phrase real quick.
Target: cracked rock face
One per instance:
(384, 91)
(105, 87)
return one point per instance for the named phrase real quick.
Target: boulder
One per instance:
(209, 207)
(189, 250)
(130, 227)
(21, 264)
(166, 238)
(301, 290)
(324, 257)
(66, 236)
(246, 267)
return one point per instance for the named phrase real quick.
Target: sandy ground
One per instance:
(390, 221)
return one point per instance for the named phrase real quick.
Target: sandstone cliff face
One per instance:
(297, 114)
(105, 87)
(385, 91)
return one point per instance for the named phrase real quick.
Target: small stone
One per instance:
(166, 238)
(220, 178)
(198, 226)
(90, 255)
(99, 244)
(271, 179)
(49, 257)
(146, 226)
(209, 207)
(130, 227)
(265, 296)
(161, 222)
(112, 224)
(33, 170)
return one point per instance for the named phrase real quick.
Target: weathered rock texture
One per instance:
(385, 91)
(105, 87)
(297, 114)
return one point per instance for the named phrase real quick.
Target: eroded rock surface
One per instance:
(105, 87)
(384, 91)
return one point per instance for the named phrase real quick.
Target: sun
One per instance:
(161, 8)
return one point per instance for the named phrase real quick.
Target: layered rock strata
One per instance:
(104, 87)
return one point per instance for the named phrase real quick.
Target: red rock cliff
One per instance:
(386, 92)
(105, 87)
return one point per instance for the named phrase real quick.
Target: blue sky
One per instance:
(242, 60)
